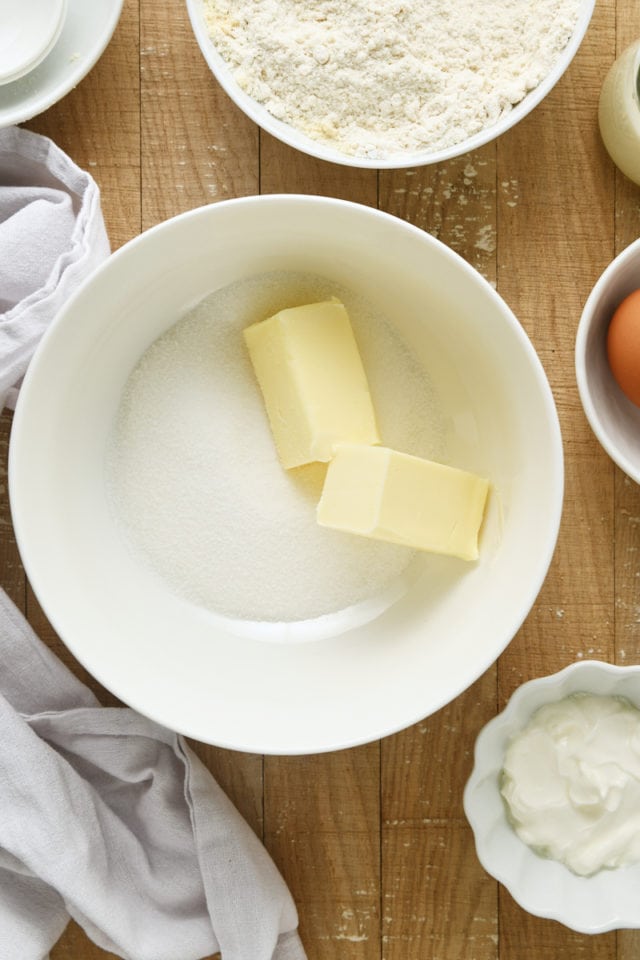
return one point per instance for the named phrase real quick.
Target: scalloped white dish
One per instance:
(608, 900)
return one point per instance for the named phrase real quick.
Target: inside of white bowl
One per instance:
(607, 900)
(195, 671)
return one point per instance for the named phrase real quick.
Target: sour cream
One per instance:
(571, 782)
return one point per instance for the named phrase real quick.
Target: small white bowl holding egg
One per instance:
(607, 360)
(552, 798)
(235, 617)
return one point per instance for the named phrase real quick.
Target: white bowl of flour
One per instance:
(388, 84)
(183, 566)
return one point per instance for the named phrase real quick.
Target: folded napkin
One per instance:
(111, 819)
(52, 236)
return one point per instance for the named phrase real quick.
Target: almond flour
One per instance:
(375, 78)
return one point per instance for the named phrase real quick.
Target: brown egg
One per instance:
(623, 346)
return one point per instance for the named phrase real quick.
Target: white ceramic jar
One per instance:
(619, 112)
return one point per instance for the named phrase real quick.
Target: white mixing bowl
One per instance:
(228, 682)
(296, 138)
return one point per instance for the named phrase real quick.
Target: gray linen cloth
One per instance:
(111, 819)
(52, 236)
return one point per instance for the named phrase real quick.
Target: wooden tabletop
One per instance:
(373, 841)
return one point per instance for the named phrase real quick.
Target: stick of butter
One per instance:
(380, 493)
(315, 390)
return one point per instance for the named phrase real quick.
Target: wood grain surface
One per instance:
(373, 841)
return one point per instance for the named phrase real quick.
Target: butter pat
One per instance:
(315, 390)
(380, 493)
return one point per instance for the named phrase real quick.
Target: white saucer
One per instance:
(29, 32)
(86, 31)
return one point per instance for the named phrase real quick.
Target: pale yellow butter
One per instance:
(315, 390)
(380, 493)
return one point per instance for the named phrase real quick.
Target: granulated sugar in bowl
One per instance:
(388, 83)
(167, 448)
(179, 561)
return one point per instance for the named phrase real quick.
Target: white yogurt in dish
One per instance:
(571, 782)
